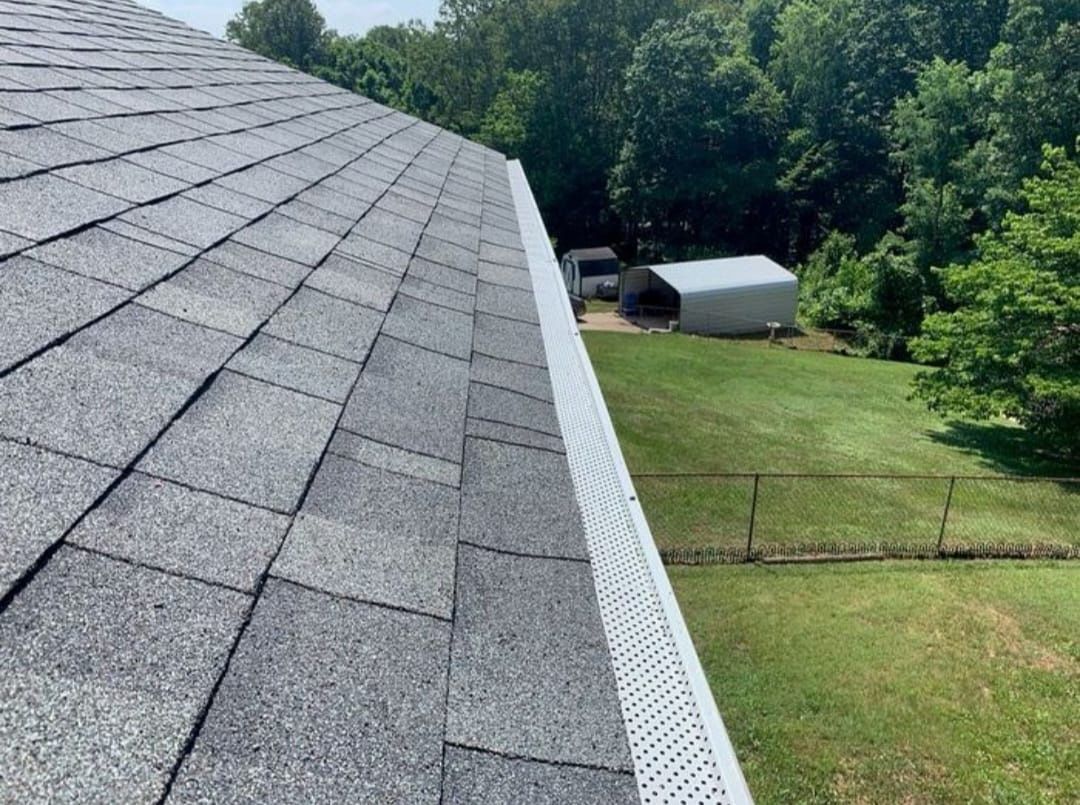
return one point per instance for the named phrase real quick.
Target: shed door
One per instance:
(570, 275)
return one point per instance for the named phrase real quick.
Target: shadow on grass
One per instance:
(1005, 449)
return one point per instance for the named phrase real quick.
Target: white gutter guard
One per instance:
(681, 750)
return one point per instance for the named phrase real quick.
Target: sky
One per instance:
(346, 16)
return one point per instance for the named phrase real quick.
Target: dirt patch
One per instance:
(607, 321)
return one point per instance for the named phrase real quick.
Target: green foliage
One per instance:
(880, 294)
(513, 114)
(704, 127)
(290, 31)
(1012, 346)
(872, 140)
(933, 133)
(1033, 91)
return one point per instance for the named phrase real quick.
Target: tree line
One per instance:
(915, 160)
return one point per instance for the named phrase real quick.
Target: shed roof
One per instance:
(599, 253)
(285, 506)
(705, 276)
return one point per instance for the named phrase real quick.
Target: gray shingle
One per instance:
(368, 251)
(437, 295)
(103, 671)
(295, 367)
(411, 398)
(44, 206)
(358, 282)
(511, 303)
(473, 777)
(132, 232)
(390, 230)
(325, 701)
(123, 179)
(171, 166)
(519, 499)
(258, 263)
(456, 232)
(317, 217)
(39, 303)
(509, 340)
(221, 198)
(530, 673)
(395, 459)
(531, 380)
(407, 205)
(510, 408)
(288, 238)
(12, 167)
(192, 533)
(315, 320)
(327, 199)
(214, 296)
(426, 325)
(41, 106)
(437, 274)
(499, 432)
(9, 243)
(262, 182)
(109, 390)
(41, 495)
(375, 536)
(47, 147)
(185, 220)
(447, 254)
(508, 276)
(491, 253)
(246, 439)
(501, 235)
(209, 155)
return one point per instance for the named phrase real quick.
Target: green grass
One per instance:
(682, 404)
(686, 404)
(881, 682)
(600, 306)
(895, 682)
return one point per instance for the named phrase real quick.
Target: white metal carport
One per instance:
(725, 296)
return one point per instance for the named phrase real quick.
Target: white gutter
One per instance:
(680, 747)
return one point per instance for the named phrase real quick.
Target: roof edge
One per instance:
(626, 563)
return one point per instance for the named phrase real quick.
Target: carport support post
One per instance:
(945, 514)
(753, 515)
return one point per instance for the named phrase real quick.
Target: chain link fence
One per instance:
(708, 519)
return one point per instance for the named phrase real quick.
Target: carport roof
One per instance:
(703, 276)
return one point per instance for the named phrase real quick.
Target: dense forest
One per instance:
(915, 160)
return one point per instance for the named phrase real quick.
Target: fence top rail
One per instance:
(868, 476)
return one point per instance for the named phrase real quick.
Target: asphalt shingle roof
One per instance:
(285, 513)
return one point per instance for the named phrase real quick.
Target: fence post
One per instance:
(945, 514)
(753, 515)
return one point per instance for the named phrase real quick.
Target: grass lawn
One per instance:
(928, 681)
(686, 404)
(600, 306)
(895, 681)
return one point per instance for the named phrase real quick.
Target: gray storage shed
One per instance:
(726, 296)
(585, 270)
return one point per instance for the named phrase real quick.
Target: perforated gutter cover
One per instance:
(680, 747)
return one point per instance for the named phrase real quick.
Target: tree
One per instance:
(880, 294)
(512, 116)
(1012, 346)
(1033, 89)
(289, 31)
(933, 132)
(703, 130)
